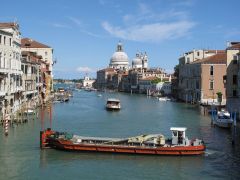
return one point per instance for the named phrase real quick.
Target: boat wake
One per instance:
(209, 152)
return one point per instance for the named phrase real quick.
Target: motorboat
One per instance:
(223, 119)
(113, 104)
(164, 99)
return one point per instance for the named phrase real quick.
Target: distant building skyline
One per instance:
(84, 42)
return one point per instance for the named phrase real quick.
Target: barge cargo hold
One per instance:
(154, 144)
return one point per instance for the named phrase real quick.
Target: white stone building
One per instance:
(87, 82)
(140, 61)
(119, 59)
(10, 68)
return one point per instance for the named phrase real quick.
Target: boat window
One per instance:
(174, 133)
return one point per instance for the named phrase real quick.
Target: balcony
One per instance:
(4, 70)
(27, 92)
(2, 93)
(19, 88)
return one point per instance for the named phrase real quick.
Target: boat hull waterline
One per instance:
(62, 144)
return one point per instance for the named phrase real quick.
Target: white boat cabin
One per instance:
(113, 104)
(179, 136)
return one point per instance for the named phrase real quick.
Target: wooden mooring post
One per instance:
(234, 128)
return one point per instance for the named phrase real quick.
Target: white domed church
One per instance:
(140, 61)
(119, 59)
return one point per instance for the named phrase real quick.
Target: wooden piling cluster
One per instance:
(25, 113)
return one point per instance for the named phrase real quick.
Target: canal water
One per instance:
(85, 114)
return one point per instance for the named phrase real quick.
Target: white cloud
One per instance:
(155, 32)
(76, 21)
(58, 25)
(186, 3)
(85, 69)
(149, 26)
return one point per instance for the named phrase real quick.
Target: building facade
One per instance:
(105, 78)
(31, 68)
(10, 68)
(87, 82)
(46, 52)
(201, 80)
(233, 77)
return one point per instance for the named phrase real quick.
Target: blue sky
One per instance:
(84, 33)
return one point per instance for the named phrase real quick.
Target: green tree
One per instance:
(219, 95)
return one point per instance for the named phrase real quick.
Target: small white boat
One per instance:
(164, 99)
(113, 104)
(99, 95)
(29, 111)
(223, 119)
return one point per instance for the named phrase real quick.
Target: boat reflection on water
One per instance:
(51, 156)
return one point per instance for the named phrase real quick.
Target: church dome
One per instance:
(137, 60)
(119, 59)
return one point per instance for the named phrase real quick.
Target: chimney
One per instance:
(228, 44)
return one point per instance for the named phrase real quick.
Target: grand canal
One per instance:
(85, 114)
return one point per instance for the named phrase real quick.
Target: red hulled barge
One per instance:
(154, 144)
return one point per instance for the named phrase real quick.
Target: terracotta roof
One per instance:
(149, 78)
(8, 25)
(220, 58)
(235, 46)
(30, 43)
(215, 51)
(108, 70)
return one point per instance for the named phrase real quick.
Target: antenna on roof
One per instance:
(15, 21)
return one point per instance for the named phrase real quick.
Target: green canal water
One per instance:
(85, 114)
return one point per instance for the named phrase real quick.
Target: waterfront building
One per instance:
(46, 52)
(31, 79)
(135, 75)
(118, 76)
(194, 55)
(201, 80)
(184, 73)
(104, 78)
(233, 76)
(165, 88)
(146, 85)
(155, 86)
(10, 67)
(119, 59)
(87, 82)
(117, 79)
